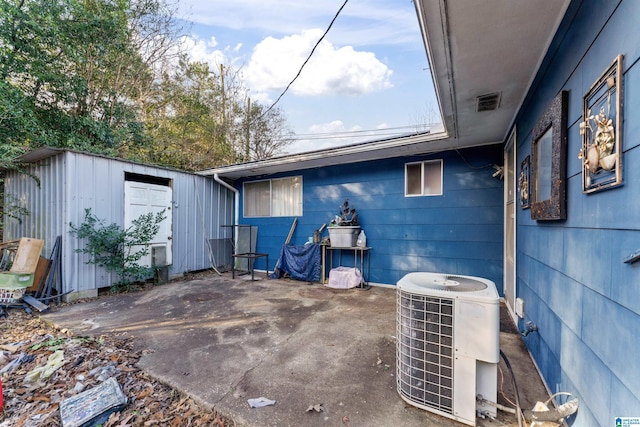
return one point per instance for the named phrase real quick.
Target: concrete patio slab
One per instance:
(225, 341)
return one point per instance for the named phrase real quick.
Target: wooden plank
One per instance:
(11, 244)
(41, 273)
(27, 256)
(35, 303)
(293, 227)
(7, 253)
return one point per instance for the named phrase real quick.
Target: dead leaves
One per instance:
(39, 398)
(88, 361)
(144, 393)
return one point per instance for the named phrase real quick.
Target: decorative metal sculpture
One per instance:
(601, 152)
(523, 183)
(347, 215)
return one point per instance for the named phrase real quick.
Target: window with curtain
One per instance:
(274, 197)
(423, 178)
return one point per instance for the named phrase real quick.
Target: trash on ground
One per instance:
(104, 373)
(93, 406)
(318, 408)
(260, 402)
(542, 416)
(11, 348)
(22, 358)
(56, 360)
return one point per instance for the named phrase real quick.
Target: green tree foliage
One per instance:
(201, 118)
(72, 71)
(184, 118)
(103, 76)
(119, 250)
(268, 134)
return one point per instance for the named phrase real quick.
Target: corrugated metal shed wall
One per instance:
(71, 182)
(45, 202)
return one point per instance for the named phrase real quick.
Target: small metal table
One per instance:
(360, 260)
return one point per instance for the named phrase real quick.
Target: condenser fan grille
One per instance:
(425, 350)
(457, 284)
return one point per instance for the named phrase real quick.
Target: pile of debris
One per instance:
(43, 369)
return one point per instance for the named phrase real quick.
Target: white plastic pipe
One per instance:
(236, 197)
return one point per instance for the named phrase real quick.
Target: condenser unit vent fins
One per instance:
(488, 102)
(425, 354)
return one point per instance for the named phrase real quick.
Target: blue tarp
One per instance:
(299, 262)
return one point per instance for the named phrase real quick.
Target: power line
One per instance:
(359, 137)
(399, 129)
(320, 138)
(306, 60)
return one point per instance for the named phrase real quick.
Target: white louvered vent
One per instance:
(488, 102)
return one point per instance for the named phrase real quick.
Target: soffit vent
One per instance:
(488, 102)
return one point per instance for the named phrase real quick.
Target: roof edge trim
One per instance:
(348, 150)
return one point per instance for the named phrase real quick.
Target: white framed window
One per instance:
(423, 178)
(273, 197)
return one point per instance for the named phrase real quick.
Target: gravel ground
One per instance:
(87, 362)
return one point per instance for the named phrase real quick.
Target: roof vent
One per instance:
(488, 102)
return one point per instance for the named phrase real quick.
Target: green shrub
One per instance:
(118, 250)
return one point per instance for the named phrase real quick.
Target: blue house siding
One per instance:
(577, 290)
(460, 232)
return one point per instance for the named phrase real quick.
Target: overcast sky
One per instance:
(370, 72)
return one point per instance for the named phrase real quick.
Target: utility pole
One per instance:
(247, 130)
(224, 107)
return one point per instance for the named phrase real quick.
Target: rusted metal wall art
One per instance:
(601, 130)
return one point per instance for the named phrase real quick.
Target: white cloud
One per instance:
(208, 51)
(360, 23)
(331, 70)
(202, 50)
(334, 126)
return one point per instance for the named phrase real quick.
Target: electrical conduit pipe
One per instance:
(236, 197)
(236, 205)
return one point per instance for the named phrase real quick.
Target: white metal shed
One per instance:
(72, 181)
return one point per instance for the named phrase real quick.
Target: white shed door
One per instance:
(141, 198)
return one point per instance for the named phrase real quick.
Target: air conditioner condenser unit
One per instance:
(448, 344)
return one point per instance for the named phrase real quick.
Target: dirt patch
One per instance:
(317, 293)
(201, 297)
